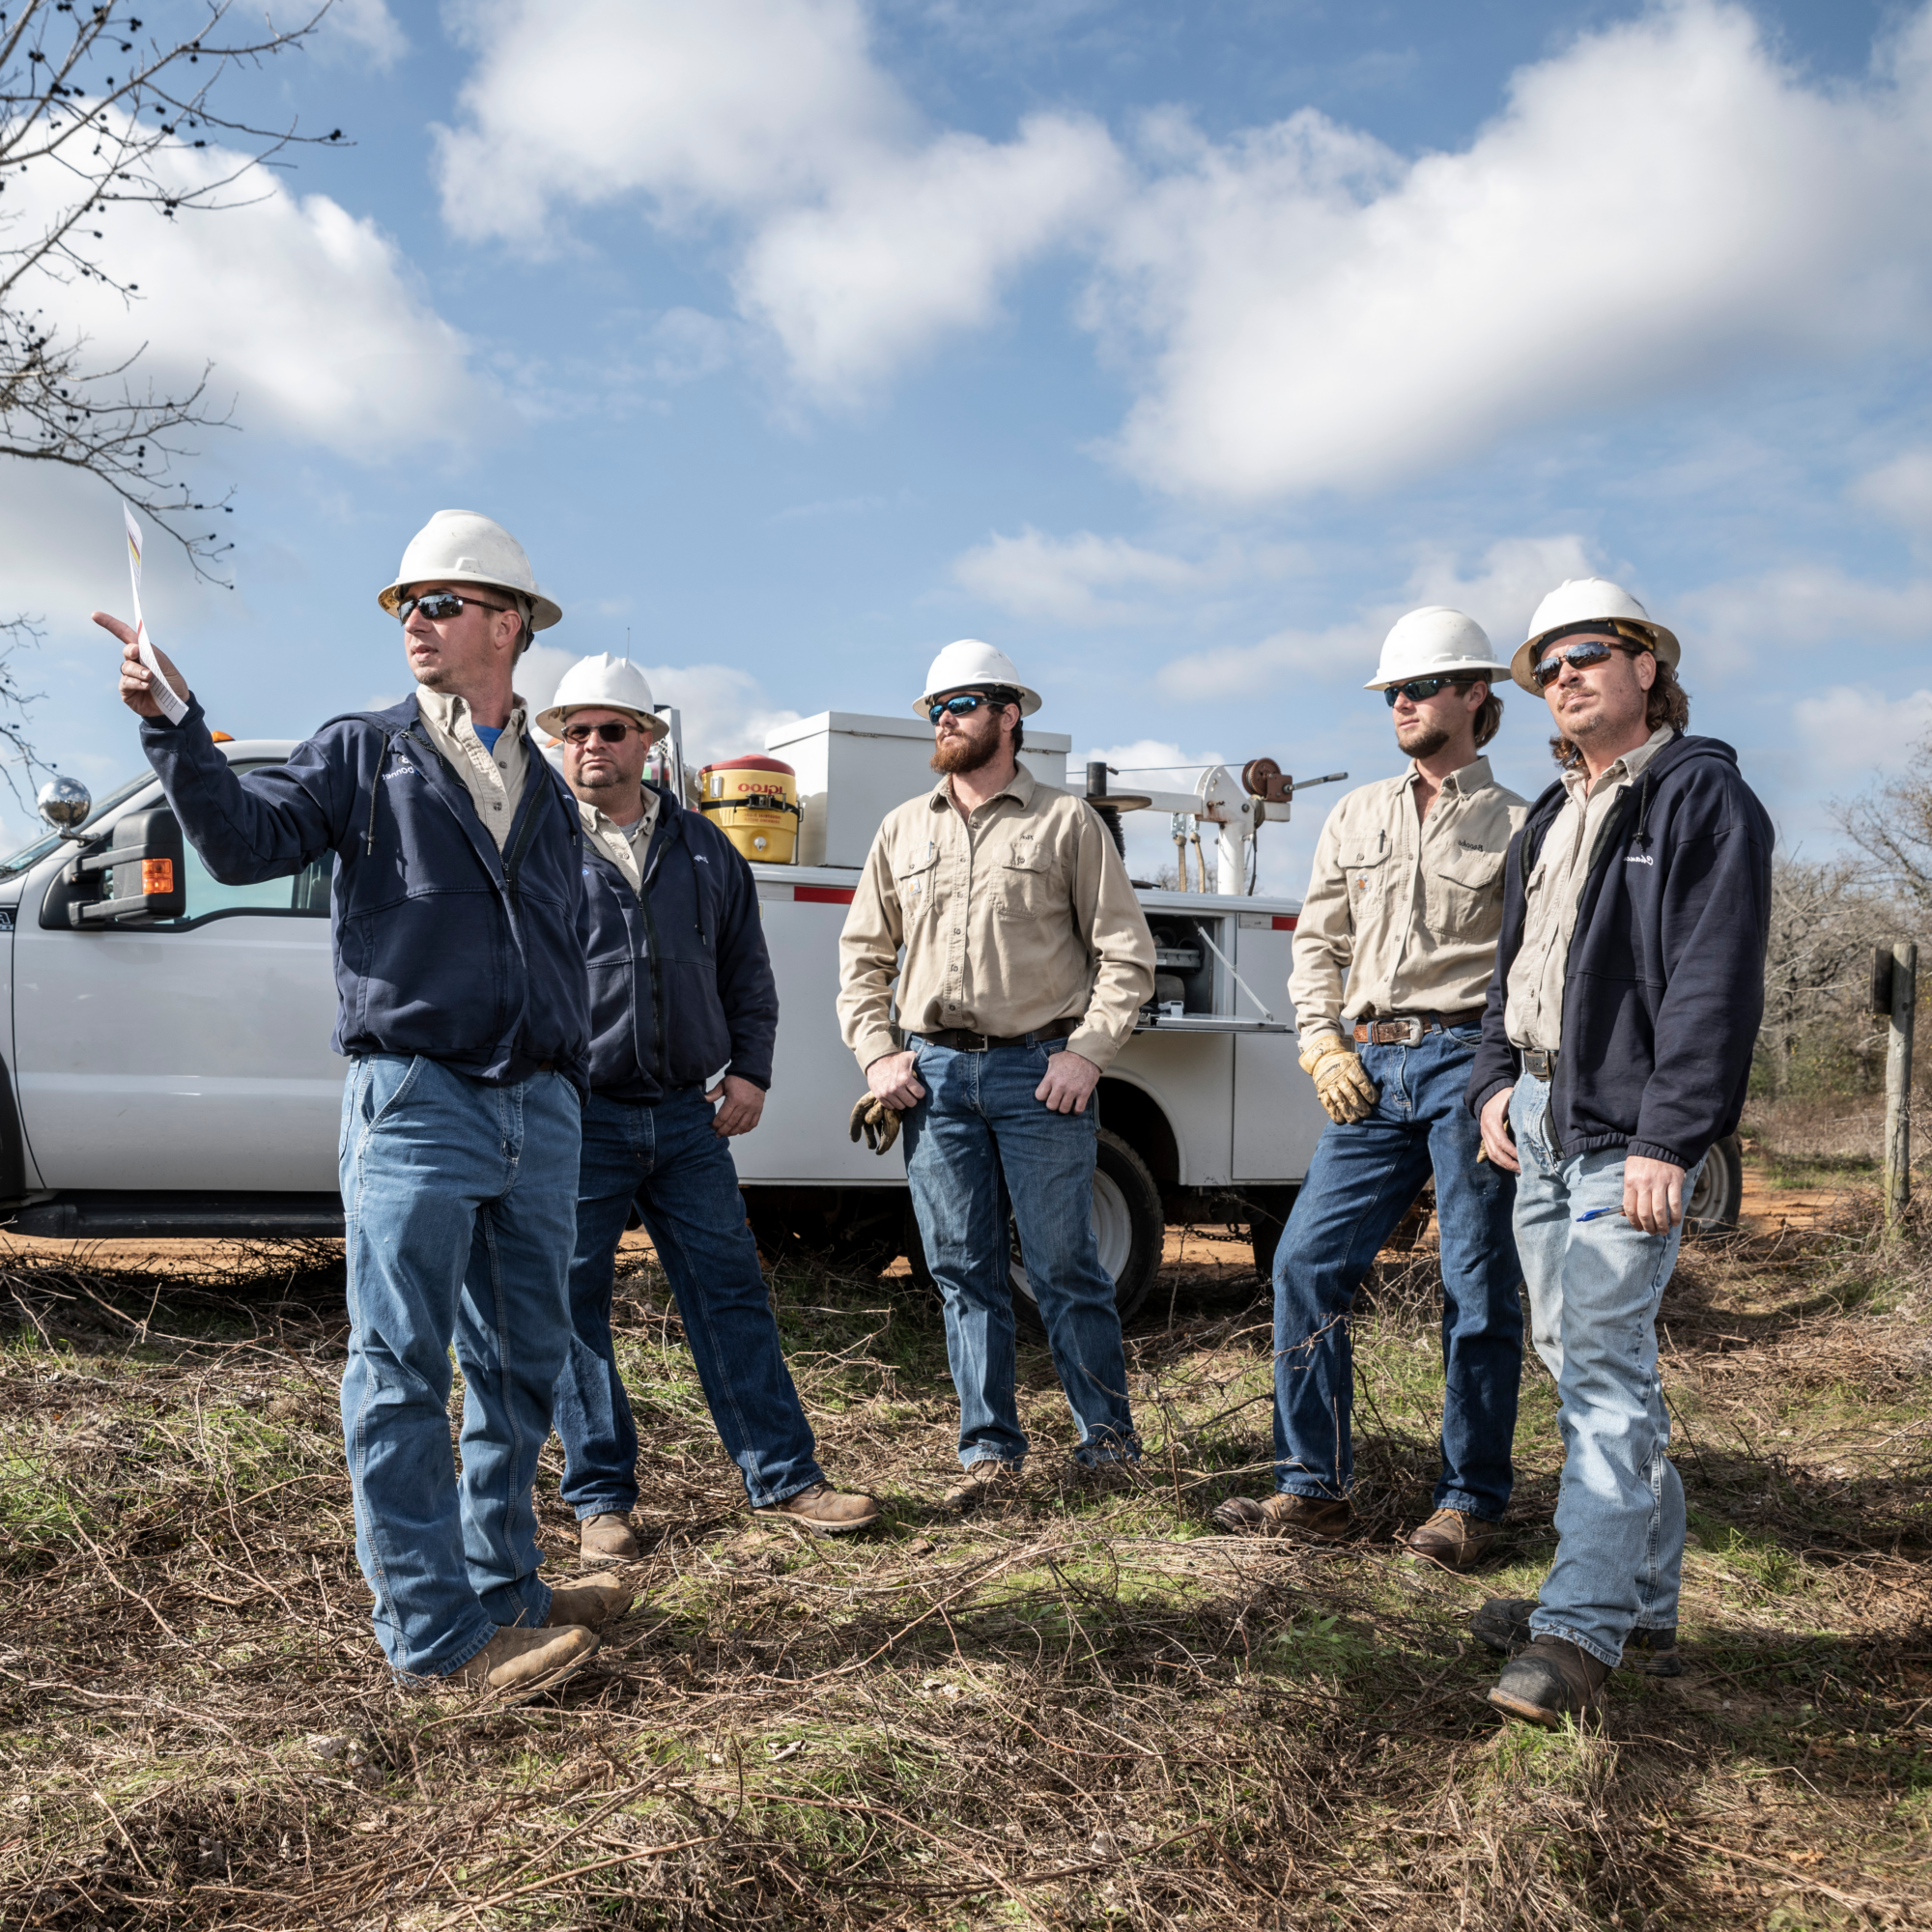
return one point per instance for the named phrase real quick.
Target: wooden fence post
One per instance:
(1898, 1082)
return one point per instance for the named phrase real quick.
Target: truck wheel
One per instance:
(1715, 1200)
(1130, 1229)
(1268, 1210)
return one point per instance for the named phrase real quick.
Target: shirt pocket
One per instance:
(1466, 895)
(1365, 873)
(915, 878)
(1027, 885)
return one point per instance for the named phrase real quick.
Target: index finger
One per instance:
(115, 626)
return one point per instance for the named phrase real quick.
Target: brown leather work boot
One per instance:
(988, 1480)
(592, 1604)
(519, 1663)
(1454, 1538)
(824, 1510)
(1503, 1624)
(1307, 1517)
(1550, 1681)
(607, 1539)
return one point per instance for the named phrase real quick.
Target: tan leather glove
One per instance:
(877, 1122)
(1342, 1086)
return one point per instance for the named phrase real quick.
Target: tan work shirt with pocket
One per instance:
(1403, 914)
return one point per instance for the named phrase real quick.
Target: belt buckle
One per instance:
(984, 1042)
(1397, 1032)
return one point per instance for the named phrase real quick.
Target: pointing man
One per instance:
(1026, 959)
(680, 985)
(1616, 1048)
(458, 916)
(1393, 951)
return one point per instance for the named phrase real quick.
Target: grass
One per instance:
(1078, 1711)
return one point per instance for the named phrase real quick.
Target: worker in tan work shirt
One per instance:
(1393, 953)
(1026, 962)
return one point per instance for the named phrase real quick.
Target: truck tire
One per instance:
(1268, 1210)
(1128, 1225)
(1715, 1200)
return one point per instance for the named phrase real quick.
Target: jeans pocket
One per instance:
(390, 1102)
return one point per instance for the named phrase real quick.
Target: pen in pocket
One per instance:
(1598, 1214)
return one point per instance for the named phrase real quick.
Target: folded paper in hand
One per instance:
(173, 707)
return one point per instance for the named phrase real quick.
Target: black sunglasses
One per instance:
(1591, 651)
(1419, 688)
(962, 705)
(611, 733)
(437, 604)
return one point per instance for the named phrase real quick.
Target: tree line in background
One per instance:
(1819, 1038)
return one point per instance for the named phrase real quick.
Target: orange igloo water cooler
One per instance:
(754, 802)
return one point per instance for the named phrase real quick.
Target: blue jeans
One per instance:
(1594, 1290)
(456, 1201)
(978, 1147)
(668, 1160)
(1362, 1179)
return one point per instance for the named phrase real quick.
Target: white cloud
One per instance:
(1034, 574)
(1811, 607)
(1515, 574)
(861, 237)
(308, 314)
(1901, 490)
(1853, 730)
(1660, 201)
(367, 27)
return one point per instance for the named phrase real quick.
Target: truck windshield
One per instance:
(32, 855)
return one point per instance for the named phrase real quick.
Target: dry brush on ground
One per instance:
(1082, 1711)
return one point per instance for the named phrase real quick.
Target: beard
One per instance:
(1421, 741)
(969, 751)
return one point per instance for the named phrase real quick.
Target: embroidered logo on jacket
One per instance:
(1639, 859)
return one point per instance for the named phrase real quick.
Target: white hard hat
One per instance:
(1435, 642)
(969, 664)
(1596, 601)
(607, 684)
(460, 547)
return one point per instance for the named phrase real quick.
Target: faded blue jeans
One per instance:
(668, 1160)
(457, 1203)
(977, 1146)
(1360, 1183)
(1594, 1290)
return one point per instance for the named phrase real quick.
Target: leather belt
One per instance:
(1538, 1064)
(962, 1040)
(1408, 1029)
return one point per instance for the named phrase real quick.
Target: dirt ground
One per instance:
(1084, 1709)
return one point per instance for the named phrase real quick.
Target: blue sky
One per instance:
(1174, 350)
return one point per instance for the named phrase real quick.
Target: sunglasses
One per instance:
(1591, 651)
(611, 733)
(962, 706)
(1419, 688)
(438, 605)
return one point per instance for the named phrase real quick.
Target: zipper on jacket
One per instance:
(521, 843)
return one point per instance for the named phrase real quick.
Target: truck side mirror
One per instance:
(145, 873)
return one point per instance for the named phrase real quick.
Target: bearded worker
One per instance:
(1026, 960)
(1393, 951)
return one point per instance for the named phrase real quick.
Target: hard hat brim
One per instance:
(1663, 645)
(1029, 698)
(1486, 667)
(543, 611)
(552, 720)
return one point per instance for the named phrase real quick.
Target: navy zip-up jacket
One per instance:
(680, 979)
(443, 946)
(1664, 988)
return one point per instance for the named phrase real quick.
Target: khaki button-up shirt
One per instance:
(493, 779)
(1011, 920)
(1533, 1012)
(626, 847)
(1408, 909)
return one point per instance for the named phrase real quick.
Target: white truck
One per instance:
(165, 1068)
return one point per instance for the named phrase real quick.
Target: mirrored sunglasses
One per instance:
(1590, 651)
(963, 705)
(1419, 688)
(437, 604)
(613, 732)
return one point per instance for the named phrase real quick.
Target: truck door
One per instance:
(192, 1053)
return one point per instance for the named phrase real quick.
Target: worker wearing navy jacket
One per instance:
(458, 918)
(1616, 1049)
(683, 1017)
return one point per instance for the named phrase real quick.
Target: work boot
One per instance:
(1550, 1681)
(988, 1480)
(607, 1539)
(1454, 1538)
(1503, 1624)
(516, 1665)
(824, 1510)
(591, 1603)
(1312, 1518)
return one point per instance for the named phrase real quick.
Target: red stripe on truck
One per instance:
(1283, 921)
(823, 894)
